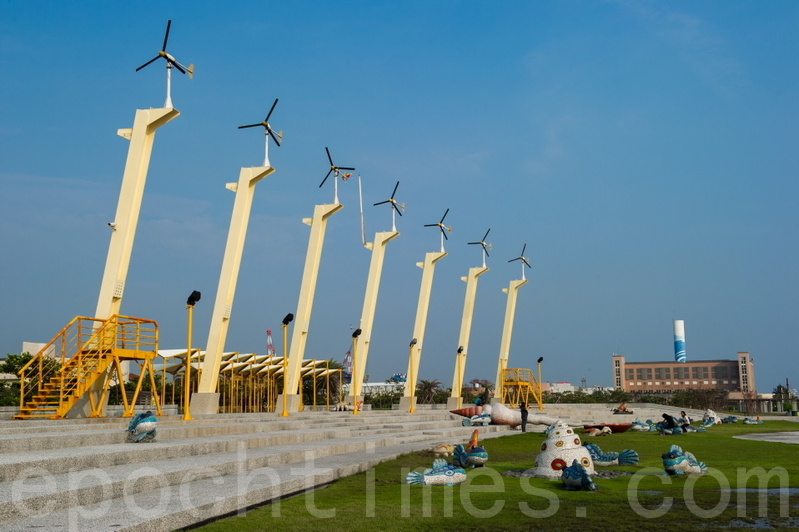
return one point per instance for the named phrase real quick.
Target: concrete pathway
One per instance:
(780, 437)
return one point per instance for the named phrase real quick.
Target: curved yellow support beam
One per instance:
(228, 277)
(466, 330)
(507, 333)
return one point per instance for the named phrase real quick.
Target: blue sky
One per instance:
(645, 152)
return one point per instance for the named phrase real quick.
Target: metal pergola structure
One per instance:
(249, 382)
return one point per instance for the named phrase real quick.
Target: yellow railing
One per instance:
(519, 385)
(70, 364)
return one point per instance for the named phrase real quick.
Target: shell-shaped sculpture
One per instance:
(560, 449)
(469, 411)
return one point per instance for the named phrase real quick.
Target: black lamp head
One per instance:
(288, 319)
(413, 342)
(356, 333)
(540, 359)
(193, 298)
(460, 350)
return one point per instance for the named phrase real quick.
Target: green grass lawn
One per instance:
(380, 500)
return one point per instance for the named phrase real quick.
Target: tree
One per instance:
(426, 391)
(13, 363)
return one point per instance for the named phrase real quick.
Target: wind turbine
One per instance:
(524, 260)
(395, 207)
(507, 328)
(170, 63)
(336, 171)
(310, 274)
(485, 246)
(268, 131)
(455, 400)
(441, 226)
(408, 400)
(378, 249)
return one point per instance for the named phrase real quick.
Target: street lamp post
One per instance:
(540, 406)
(193, 299)
(355, 334)
(288, 319)
(412, 378)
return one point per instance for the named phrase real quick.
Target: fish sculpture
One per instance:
(142, 427)
(677, 462)
(748, 421)
(639, 426)
(441, 474)
(475, 457)
(626, 457)
(576, 478)
(729, 419)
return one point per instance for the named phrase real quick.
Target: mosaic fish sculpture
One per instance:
(142, 428)
(502, 415)
(748, 421)
(729, 419)
(639, 426)
(476, 457)
(576, 478)
(626, 457)
(677, 462)
(441, 474)
(710, 418)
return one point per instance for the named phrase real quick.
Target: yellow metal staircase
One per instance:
(81, 362)
(518, 385)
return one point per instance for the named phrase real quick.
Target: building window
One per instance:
(694, 382)
(734, 381)
(681, 373)
(630, 373)
(662, 373)
(639, 384)
(699, 372)
(644, 373)
(713, 382)
(668, 383)
(632, 384)
(705, 382)
(649, 383)
(720, 372)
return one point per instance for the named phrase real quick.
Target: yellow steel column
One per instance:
(507, 333)
(207, 399)
(463, 340)
(310, 274)
(422, 307)
(378, 248)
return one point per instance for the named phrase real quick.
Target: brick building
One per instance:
(736, 375)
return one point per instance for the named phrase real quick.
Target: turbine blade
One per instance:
(273, 136)
(148, 62)
(512, 260)
(325, 179)
(270, 111)
(432, 225)
(485, 250)
(445, 215)
(329, 158)
(527, 263)
(382, 202)
(345, 168)
(251, 125)
(473, 243)
(395, 190)
(177, 65)
(486, 235)
(444, 233)
(166, 36)
(525, 247)
(396, 208)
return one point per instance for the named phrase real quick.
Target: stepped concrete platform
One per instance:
(81, 475)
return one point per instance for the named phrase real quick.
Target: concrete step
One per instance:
(177, 482)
